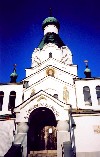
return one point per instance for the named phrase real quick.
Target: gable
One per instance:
(41, 99)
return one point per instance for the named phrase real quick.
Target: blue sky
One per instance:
(21, 32)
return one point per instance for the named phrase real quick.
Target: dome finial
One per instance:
(87, 71)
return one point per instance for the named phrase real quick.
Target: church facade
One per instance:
(51, 110)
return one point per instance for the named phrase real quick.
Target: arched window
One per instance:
(23, 97)
(50, 55)
(1, 99)
(25, 84)
(12, 98)
(87, 96)
(98, 94)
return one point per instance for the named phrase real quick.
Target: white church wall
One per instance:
(42, 100)
(72, 97)
(61, 75)
(27, 94)
(53, 86)
(64, 76)
(71, 69)
(50, 48)
(66, 55)
(87, 133)
(79, 93)
(50, 28)
(6, 136)
(7, 89)
(43, 85)
(36, 77)
(62, 56)
(30, 71)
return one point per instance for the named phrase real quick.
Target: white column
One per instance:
(63, 139)
(5, 102)
(21, 136)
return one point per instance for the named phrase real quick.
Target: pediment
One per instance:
(42, 99)
(48, 80)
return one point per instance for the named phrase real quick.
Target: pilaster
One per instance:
(63, 139)
(21, 136)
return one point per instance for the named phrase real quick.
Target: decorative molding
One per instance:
(51, 107)
(96, 129)
(41, 97)
(65, 94)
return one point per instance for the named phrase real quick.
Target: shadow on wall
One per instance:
(14, 151)
(72, 128)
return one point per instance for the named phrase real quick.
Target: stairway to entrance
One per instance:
(43, 153)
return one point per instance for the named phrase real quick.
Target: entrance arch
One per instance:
(42, 130)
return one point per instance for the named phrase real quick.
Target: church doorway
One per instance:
(42, 133)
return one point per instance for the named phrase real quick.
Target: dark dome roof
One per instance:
(14, 74)
(87, 70)
(51, 37)
(50, 20)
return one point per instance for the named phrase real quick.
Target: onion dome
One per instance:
(51, 32)
(50, 21)
(13, 75)
(87, 71)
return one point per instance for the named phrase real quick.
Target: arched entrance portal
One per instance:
(42, 130)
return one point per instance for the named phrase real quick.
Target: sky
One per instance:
(21, 32)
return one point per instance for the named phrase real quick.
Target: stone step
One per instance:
(43, 153)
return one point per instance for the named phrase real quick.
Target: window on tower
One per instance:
(12, 98)
(25, 84)
(50, 55)
(1, 99)
(98, 94)
(87, 95)
(23, 97)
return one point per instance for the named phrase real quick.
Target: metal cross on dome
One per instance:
(50, 12)
(15, 66)
(86, 62)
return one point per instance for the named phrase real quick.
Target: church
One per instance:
(51, 112)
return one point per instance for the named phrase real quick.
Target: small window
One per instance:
(25, 84)
(1, 99)
(87, 96)
(50, 55)
(23, 97)
(98, 94)
(12, 98)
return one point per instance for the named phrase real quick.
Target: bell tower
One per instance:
(51, 78)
